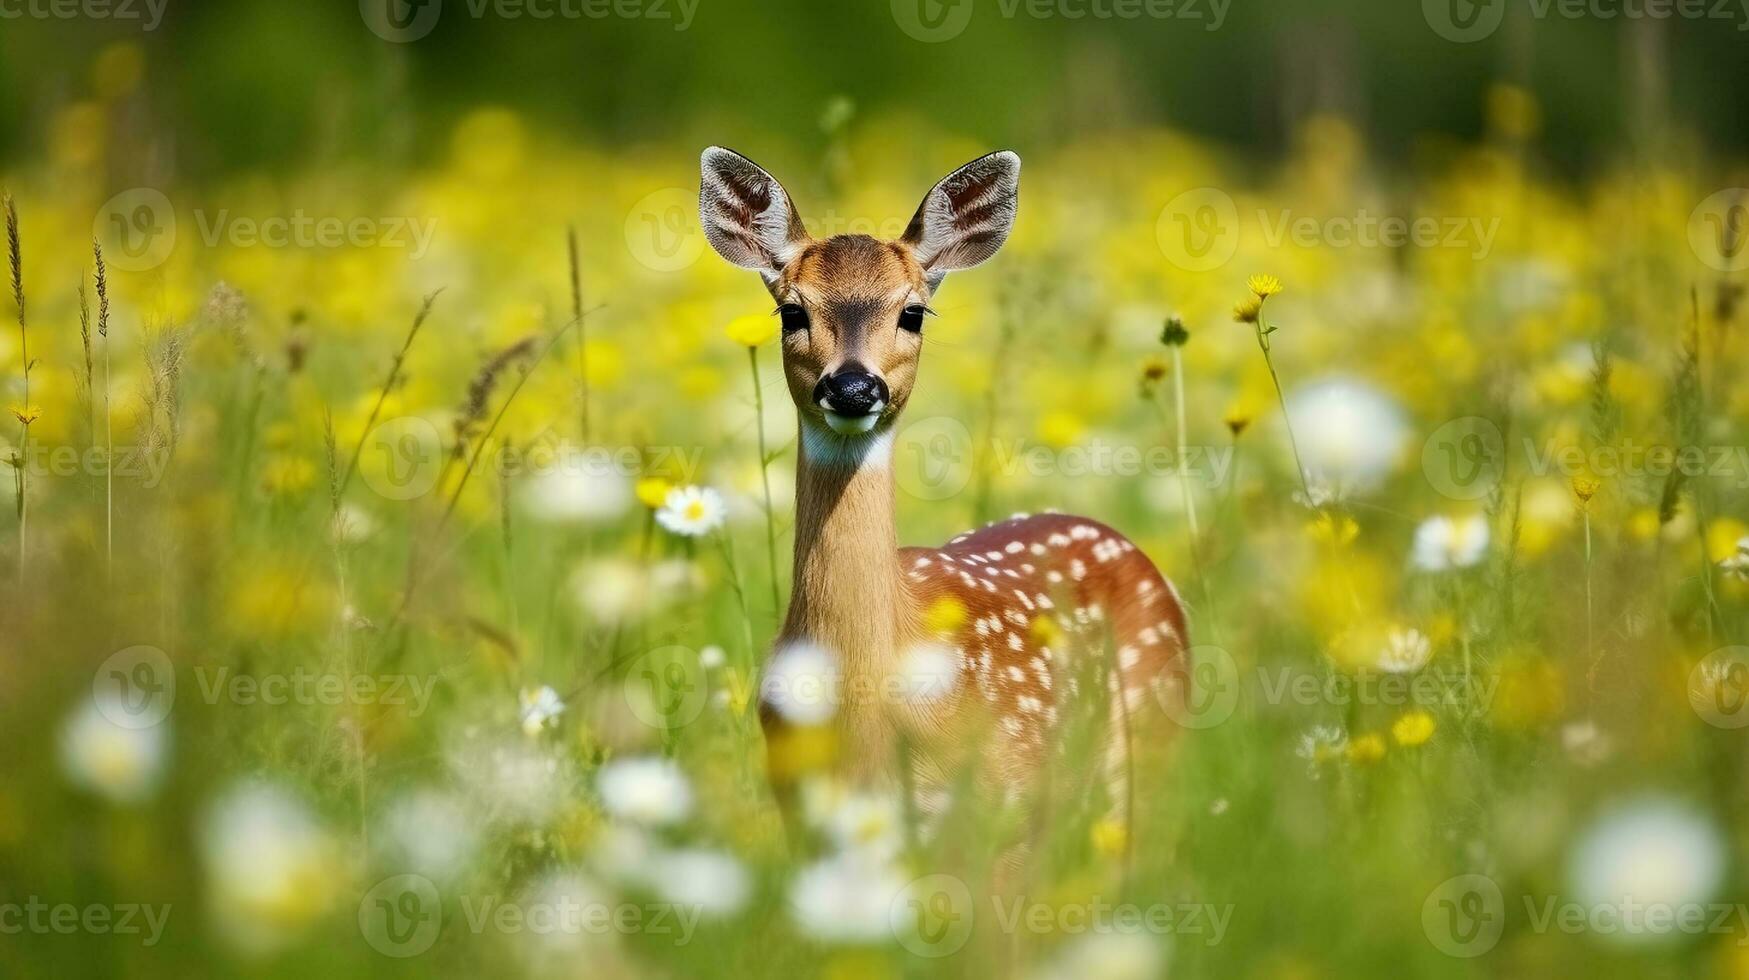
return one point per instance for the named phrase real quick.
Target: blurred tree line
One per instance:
(269, 84)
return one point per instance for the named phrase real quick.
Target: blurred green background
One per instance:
(247, 84)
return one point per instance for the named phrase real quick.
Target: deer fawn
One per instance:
(999, 605)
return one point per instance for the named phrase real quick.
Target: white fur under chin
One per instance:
(852, 450)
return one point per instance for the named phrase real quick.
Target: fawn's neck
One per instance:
(849, 594)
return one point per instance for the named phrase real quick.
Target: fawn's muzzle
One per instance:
(851, 392)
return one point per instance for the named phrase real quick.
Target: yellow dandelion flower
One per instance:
(754, 330)
(1110, 838)
(653, 491)
(1413, 729)
(1237, 421)
(947, 615)
(1248, 310)
(1263, 287)
(796, 752)
(26, 413)
(1366, 749)
(1046, 631)
(1585, 488)
(1339, 531)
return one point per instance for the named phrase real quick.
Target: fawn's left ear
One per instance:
(747, 215)
(967, 217)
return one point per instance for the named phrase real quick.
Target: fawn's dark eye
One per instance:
(793, 316)
(911, 318)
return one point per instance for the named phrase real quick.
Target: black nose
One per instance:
(851, 392)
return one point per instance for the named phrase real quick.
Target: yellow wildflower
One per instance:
(1339, 531)
(947, 615)
(1263, 287)
(754, 330)
(1413, 729)
(1366, 749)
(1109, 838)
(1248, 310)
(653, 491)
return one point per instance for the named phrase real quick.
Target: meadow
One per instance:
(391, 557)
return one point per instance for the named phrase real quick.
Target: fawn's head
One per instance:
(853, 306)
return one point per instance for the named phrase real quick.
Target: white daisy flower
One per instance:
(1737, 566)
(692, 512)
(513, 779)
(1443, 543)
(866, 823)
(847, 898)
(1649, 853)
(1406, 652)
(428, 832)
(272, 868)
(1350, 433)
(649, 791)
(352, 524)
(1110, 954)
(801, 684)
(576, 489)
(929, 672)
(123, 764)
(567, 924)
(612, 591)
(711, 882)
(1319, 745)
(541, 708)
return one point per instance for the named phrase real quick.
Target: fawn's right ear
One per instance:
(747, 215)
